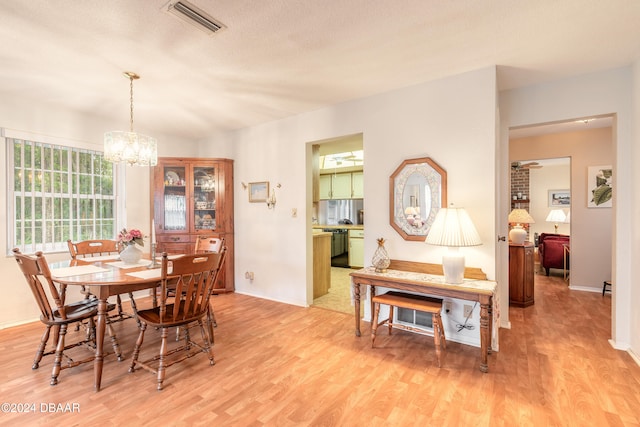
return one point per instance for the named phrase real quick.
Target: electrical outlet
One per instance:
(447, 306)
(294, 213)
(467, 310)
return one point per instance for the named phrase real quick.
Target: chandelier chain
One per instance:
(129, 147)
(131, 103)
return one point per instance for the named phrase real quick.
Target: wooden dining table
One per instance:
(105, 276)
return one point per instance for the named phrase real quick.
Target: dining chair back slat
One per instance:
(208, 244)
(91, 248)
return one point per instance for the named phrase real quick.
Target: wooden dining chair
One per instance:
(194, 276)
(210, 244)
(57, 314)
(94, 248)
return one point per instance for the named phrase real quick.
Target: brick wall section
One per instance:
(519, 182)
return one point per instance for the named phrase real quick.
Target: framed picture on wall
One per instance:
(559, 198)
(600, 186)
(258, 191)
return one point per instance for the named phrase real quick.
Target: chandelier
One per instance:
(133, 148)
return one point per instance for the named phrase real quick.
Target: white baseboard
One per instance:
(634, 356)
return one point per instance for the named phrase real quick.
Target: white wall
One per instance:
(607, 92)
(450, 120)
(591, 228)
(18, 305)
(552, 177)
(633, 235)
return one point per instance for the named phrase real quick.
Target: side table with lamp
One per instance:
(521, 265)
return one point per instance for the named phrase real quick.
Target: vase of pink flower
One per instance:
(130, 254)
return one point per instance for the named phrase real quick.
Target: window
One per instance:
(58, 192)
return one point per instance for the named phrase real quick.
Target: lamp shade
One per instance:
(520, 216)
(453, 227)
(410, 211)
(556, 215)
(518, 235)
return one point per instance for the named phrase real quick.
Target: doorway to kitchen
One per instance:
(338, 213)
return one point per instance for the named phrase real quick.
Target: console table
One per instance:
(427, 279)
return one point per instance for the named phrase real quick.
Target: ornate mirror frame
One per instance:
(417, 190)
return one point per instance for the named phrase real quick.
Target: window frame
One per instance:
(50, 195)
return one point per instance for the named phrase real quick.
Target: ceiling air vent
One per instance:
(194, 16)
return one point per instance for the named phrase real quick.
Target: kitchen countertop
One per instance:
(339, 226)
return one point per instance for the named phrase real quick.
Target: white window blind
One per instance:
(57, 192)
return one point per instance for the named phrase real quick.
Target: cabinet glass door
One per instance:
(204, 198)
(175, 198)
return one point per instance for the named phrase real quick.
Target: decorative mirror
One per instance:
(417, 190)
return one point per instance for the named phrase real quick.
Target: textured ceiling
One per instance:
(279, 58)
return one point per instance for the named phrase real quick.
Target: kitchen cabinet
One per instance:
(357, 185)
(521, 272)
(341, 186)
(345, 185)
(325, 187)
(356, 248)
(190, 199)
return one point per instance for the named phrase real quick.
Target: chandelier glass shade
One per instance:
(132, 148)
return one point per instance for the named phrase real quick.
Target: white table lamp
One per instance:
(518, 235)
(556, 216)
(453, 228)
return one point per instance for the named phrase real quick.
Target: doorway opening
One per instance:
(337, 210)
(556, 159)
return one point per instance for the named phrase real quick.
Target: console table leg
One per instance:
(356, 303)
(485, 337)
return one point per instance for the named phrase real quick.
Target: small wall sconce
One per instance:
(271, 200)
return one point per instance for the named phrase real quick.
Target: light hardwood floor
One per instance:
(282, 365)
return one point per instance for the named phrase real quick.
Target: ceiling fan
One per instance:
(529, 165)
(341, 157)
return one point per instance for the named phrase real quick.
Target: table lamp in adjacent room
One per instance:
(453, 228)
(518, 235)
(556, 216)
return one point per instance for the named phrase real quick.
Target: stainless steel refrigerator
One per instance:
(343, 211)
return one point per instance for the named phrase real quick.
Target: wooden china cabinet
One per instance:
(192, 198)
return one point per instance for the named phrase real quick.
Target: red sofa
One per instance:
(551, 250)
